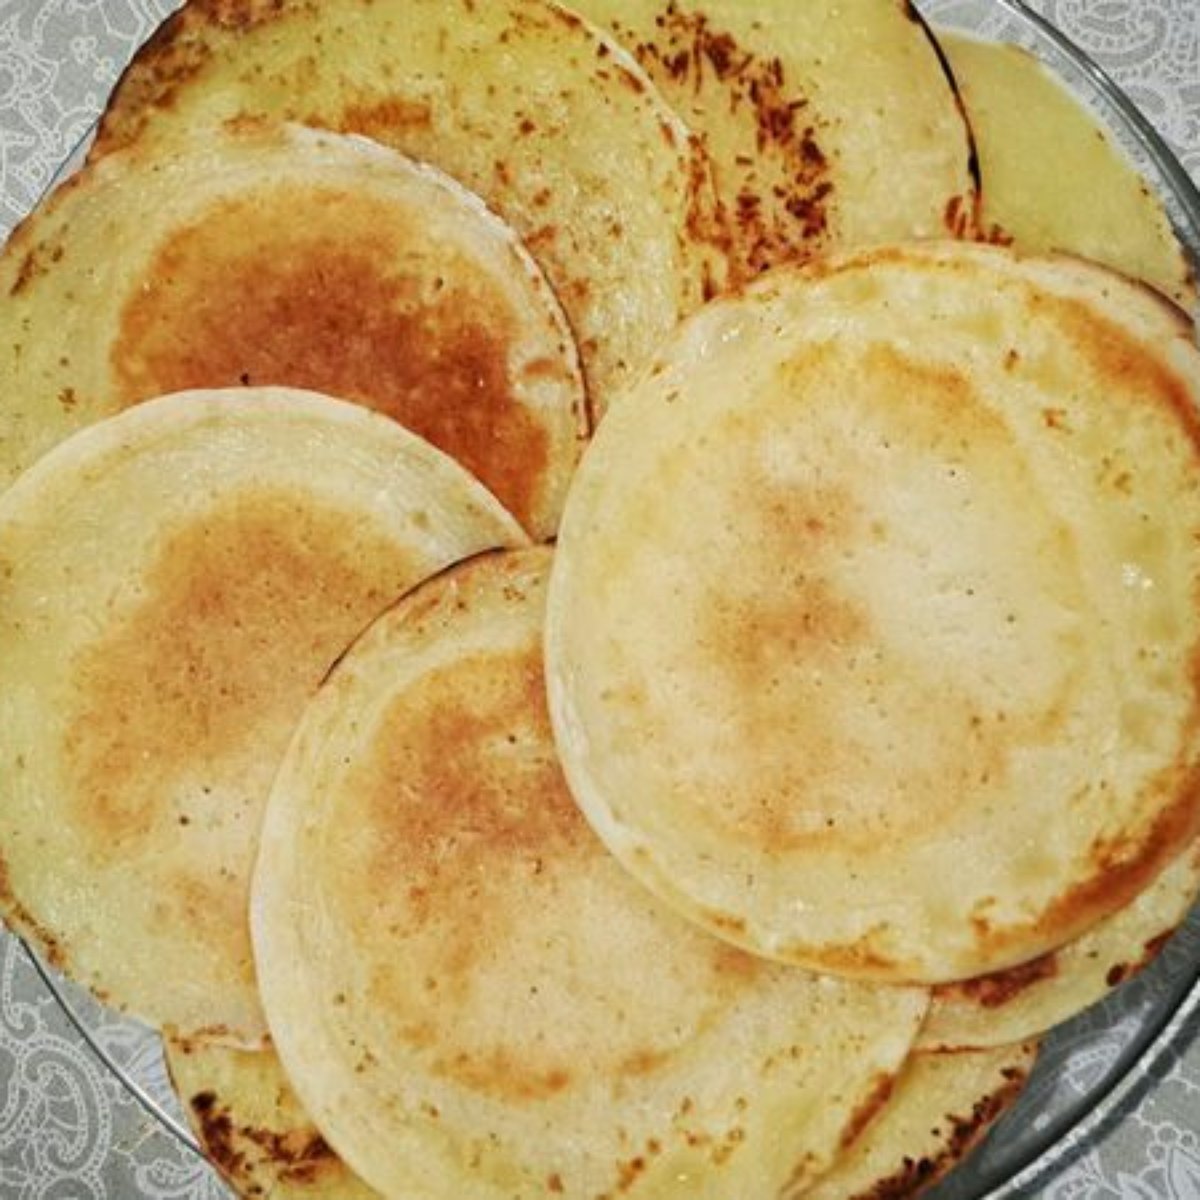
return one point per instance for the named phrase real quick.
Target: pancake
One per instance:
(873, 629)
(471, 997)
(1052, 177)
(1028, 1000)
(555, 126)
(175, 581)
(287, 256)
(251, 1126)
(806, 110)
(940, 1109)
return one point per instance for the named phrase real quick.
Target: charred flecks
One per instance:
(36, 262)
(781, 206)
(999, 987)
(959, 218)
(295, 1156)
(171, 56)
(217, 1133)
(916, 1174)
(996, 236)
(867, 1110)
(1119, 972)
(18, 916)
(240, 14)
(1154, 947)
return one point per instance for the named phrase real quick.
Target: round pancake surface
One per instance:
(471, 998)
(800, 106)
(873, 629)
(288, 256)
(538, 112)
(174, 584)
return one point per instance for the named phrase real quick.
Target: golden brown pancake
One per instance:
(269, 255)
(175, 582)
(873, 633)
(1027, 1000)
(469, 994)
(547, 119)
(249, 1123)
(940, 1109)
(1053, 179)
(829, 123)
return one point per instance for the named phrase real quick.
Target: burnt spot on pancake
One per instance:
(36, 261)
(216, 1133)
(188, 693)
(1118, 973)
(179, 50)
(867, 1109)
(778, 206)
(323, 289)
(256, 1158)
(959, 217)
(994, 234)
(998, 988)
(172, 55)
(241, 15)
(18, 916)
(958, 1134)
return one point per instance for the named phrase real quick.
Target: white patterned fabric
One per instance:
(70, 1129)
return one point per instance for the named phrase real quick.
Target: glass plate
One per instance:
(1091, 1070)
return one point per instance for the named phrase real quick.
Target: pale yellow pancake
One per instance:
(873, 626)
(1053, 178)
(288, 256)
(550, 121)
(175, 582)
(472, 998)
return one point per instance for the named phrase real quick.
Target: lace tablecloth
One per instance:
(68, 1128)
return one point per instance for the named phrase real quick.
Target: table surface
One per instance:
(68, 1128)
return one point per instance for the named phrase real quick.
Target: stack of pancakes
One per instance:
(585, 608)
